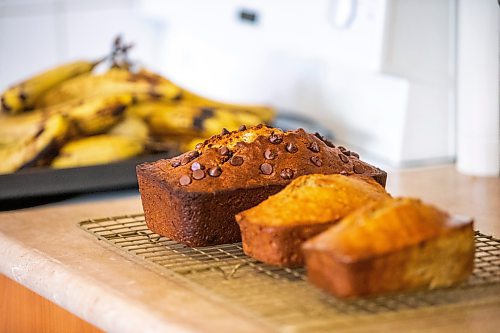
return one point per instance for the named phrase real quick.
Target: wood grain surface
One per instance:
(22, 310)
(43, 249)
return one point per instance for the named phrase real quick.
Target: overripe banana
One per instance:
(99, 149)
(23, 96)
(40, 140)
(266, 113)
(132, 127)
(114, 81)
(195, 121)
(96, 115)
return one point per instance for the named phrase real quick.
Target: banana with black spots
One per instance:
(24, 95)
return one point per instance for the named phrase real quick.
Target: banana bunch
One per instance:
(78, 115)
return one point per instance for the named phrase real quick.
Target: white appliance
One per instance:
(379, 73)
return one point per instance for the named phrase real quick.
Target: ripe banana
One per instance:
(114, 81)
(145, 109)
(132, 127)
(23, 96)
(99, 149)
(39, 141)
(195, 121)
(98, 114)
(265, 113)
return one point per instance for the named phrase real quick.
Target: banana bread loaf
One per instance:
(193, 198)
(391, 245)
(274, 231)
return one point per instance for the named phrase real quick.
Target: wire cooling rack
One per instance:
(281, 296)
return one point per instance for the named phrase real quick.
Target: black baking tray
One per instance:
(37, 182)
(43, 181)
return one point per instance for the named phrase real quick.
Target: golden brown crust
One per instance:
(194, 197)
(274, 230)
(394, 245)
(278, 245)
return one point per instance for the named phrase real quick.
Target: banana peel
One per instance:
(39, 141)
(99, 149)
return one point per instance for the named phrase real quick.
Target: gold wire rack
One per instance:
(281, 296)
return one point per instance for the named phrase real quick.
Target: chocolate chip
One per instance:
(286, 173)
(344, 173)
(215, 171)
(266, 168)
(188, 157)
(329, 143)
(224, 151)
(198, 174)
(325, 140)
(269, 154)
(175, 163)
(291, 148)
(344, 158)
(358, 168)
(185, 180)
(346, 152)
(275, 138)
(185, 159)
(198, 145)
(313, 146)
(354, 154)
(316, 160)
(225, 131)
(193, 154)
(236, 160)
(242, 128)
(197, 166)
(342, 148)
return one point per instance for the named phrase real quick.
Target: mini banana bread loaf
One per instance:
(274, 231)
(392, 245)
(193, 198)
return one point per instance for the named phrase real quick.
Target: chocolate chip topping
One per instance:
(215, 171)
(224, 151)
(358, 168)
(188, 157)
(242, 128)
(197, 166)
(185, 160)
(198, 174)
(266, 168)
(354, 154)
(342, 148)
(175, 163)
(346, 152)
(275, 138)
(198, 145)
(325, 140)
(269, 154)
(185, 180)
(344, 158)
(286, 173)
(313, 146)
(236, 160)
(225, 131)
(291, 148)
(316, 160)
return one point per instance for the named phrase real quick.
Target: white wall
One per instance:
(38, 34)
(382, 80)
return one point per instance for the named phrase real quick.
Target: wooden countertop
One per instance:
(44, 250)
